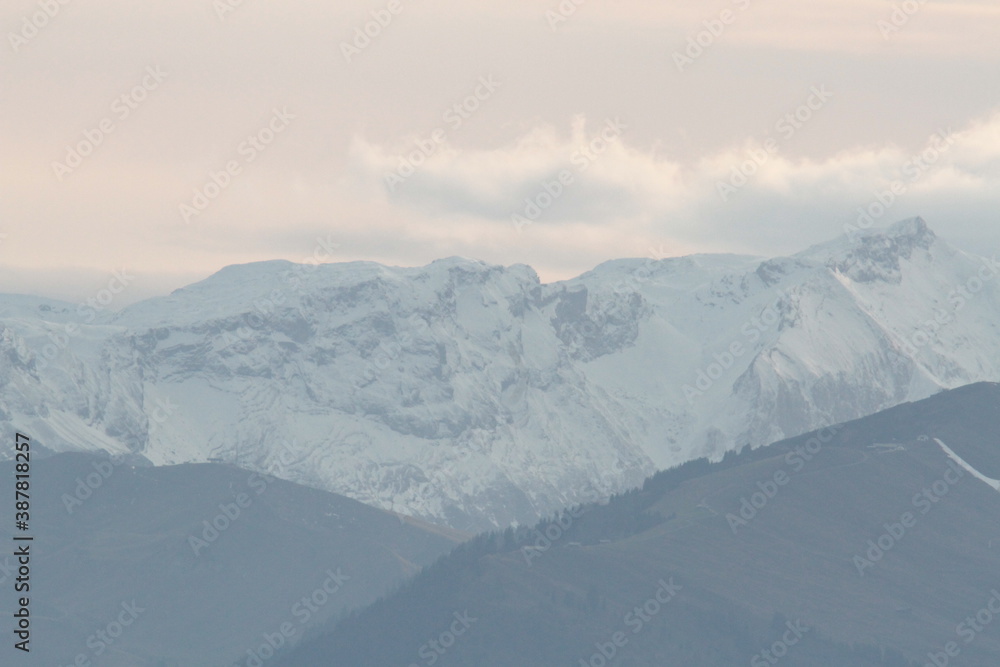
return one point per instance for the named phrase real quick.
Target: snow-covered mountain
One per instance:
(473, 395)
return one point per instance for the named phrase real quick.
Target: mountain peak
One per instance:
(875, 253)
(914, 227)
(899, 239)
(904, 233)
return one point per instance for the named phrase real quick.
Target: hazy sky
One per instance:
(621, 121)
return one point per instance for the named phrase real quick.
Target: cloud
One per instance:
(655, 186)
(753, 195)
(588, 176)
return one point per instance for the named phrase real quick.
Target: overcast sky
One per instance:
(583, 132)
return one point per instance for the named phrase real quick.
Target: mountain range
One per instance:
(475, 396)
(874, 542)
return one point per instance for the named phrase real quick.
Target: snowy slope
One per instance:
(473, 395)
(993, 483)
